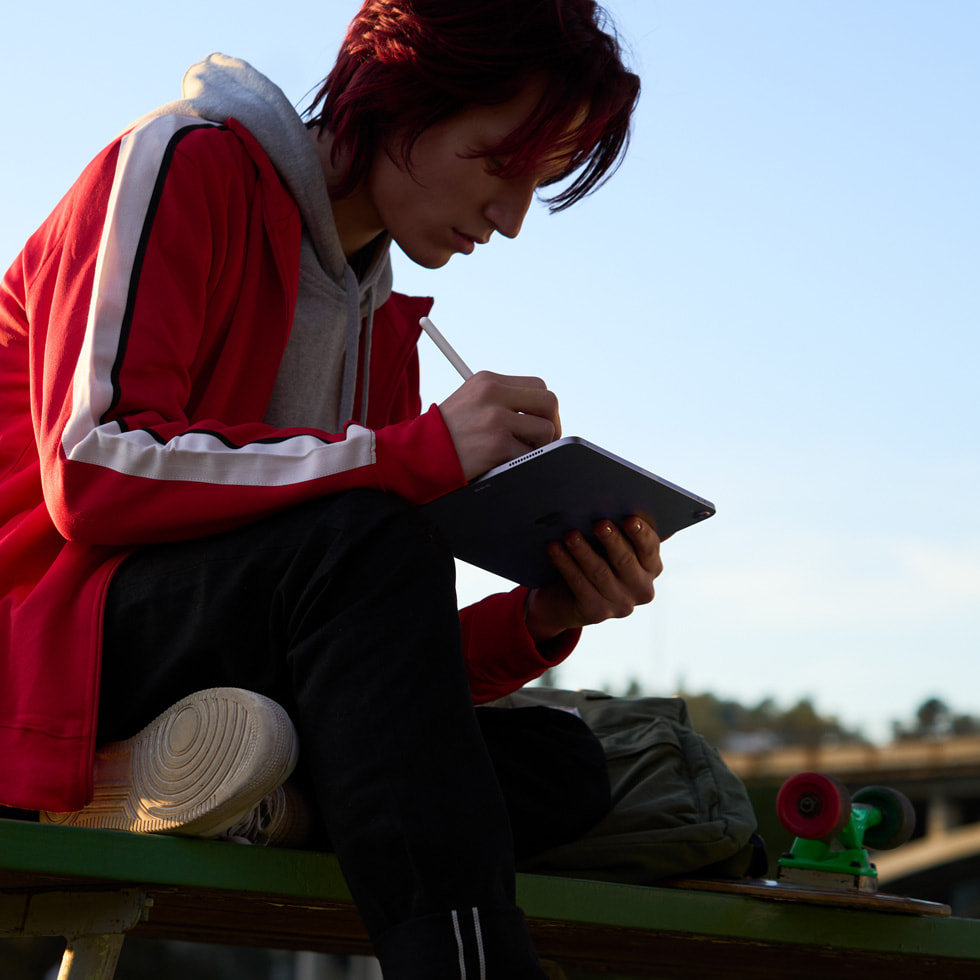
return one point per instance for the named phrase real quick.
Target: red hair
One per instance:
(407, 64)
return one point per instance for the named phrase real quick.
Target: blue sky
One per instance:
(774, 303)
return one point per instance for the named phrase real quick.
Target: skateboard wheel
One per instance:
(897, 817)
(813, 805)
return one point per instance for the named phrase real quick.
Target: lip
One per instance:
(464, 242)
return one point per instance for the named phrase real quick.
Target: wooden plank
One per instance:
(227, 893)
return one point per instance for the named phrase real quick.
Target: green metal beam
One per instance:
(31, 854)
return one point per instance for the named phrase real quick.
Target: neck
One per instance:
(357, 222)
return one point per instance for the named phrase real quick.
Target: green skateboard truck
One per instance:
(833, 830)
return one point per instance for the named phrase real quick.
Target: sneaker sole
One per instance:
(196, 770)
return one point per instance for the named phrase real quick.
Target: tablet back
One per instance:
(503, 520)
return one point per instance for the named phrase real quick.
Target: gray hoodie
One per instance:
(317, 377)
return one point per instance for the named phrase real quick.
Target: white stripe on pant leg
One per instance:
(479, 943)
(459, 946)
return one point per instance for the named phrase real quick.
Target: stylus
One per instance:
(437, 338)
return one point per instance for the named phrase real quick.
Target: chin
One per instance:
(428, 260)
(424, 247)
(432, 262)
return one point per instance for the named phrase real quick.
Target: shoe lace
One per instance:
(259, 825)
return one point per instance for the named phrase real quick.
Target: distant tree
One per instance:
(935, 719)
(633, 689)
(726, 723)
(965, 725)
(801, 725)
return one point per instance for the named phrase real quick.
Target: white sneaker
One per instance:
(281, 819)
(197, 770)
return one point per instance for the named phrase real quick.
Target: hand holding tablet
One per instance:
(503, 520)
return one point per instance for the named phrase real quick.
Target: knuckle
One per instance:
(645, 595)
(622, 608)
(490, 389)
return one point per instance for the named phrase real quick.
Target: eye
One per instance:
(495, 165)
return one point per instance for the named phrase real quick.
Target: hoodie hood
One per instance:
(316, 382)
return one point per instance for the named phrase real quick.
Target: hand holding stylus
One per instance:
(493, 418)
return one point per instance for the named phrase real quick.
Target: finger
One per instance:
(521, 394)
(532, 430)
(592, 607)
(616, 592)
(646, 543)
(533, 401)
(625, 564)
(510, 380)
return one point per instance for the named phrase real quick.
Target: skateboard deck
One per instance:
(779, 891)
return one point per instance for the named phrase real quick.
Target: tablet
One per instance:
(502, 521)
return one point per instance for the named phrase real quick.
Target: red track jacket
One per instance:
(141, 330)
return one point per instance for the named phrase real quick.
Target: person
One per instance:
(213, 449)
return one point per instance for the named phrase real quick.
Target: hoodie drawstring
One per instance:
(366, 369)
(351, 287)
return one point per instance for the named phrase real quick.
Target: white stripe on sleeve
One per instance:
(197, 456)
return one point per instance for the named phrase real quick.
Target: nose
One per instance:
(508, 207)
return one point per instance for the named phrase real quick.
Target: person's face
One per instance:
(451, 201)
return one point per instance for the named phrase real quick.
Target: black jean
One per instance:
(344, 611)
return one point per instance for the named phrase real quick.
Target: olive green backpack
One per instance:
(677, 808)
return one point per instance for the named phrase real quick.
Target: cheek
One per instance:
(404, 202)
(385, 189)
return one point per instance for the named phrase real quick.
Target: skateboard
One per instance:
(828, 863)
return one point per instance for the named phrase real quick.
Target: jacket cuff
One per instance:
(417, 460)
(501, 656)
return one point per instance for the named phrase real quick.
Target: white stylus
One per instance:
(437, 338)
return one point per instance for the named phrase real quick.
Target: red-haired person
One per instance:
(212, 449)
